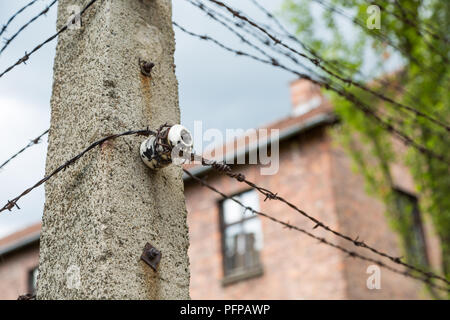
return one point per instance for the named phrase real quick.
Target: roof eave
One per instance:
(315, 121)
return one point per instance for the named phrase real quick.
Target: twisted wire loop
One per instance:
(426, 278)
(27, 55)
(13, 203)
(269, 195)
(161, 138)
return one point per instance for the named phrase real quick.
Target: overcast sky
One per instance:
(217, 87)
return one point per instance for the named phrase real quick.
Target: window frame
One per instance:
(246, 273)
(417, 221)
(30, 279)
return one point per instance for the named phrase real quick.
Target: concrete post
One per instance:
(100, 213)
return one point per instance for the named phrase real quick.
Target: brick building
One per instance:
(237, 255)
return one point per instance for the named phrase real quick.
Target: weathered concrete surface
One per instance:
(101, 211)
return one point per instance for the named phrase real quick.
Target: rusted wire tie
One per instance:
(353, 254)
(226, 169)
(13, 203)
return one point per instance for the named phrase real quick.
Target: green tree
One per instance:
(413, 37)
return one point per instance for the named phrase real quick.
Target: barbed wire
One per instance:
(332, 63)
(33, 142)
(374, 32)
(43, 12)
(316, 61)
(269, 195)
(366, 109)
(13, 203)
(404, 17)
(338, 67)
(322, 240)
(419, 31)
(5, 26)
(286, 34)
(427, 24)
(214, 15)
(25, 58)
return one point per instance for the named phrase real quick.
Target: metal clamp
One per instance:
(151, 256)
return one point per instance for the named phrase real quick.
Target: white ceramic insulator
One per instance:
(179, 135)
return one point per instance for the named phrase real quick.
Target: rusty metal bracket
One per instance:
(151, 256)
(146, 67)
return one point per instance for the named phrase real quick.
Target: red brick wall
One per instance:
(14, 270)
(362, 215)
(295, 266)
(316, 176)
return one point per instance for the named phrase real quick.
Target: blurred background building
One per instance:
(238, 255)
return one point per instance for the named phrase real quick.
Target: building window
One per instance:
(411, 228)
(242, 238)
(32, 280)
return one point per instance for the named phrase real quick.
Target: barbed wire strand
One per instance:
(33, 142)
(320, 239)
(25, 58)
(317, 62)
(406, 10)
(366, 109)
(404, 17)
(376, 33)
(335, 63)
(269, 195)
(419, 31)
(265, 41)
(13, 203)
(5, 26)
(315, 54)
(43, 12)
(213, 15)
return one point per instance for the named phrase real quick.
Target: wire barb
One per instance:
(317, 62)
(33, 142)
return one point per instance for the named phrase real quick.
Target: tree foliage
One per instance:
(406, 59)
